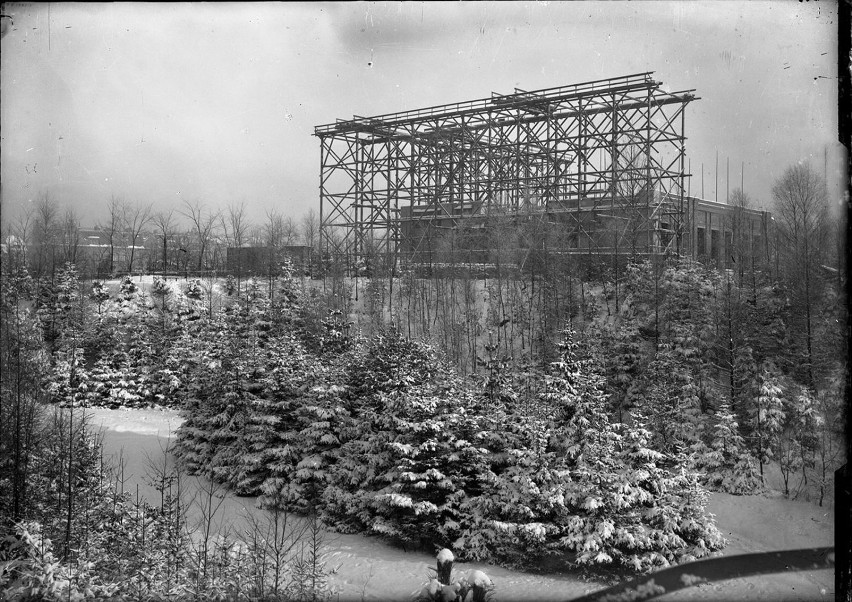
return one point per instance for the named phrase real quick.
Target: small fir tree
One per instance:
(725, 462)
(766, 415)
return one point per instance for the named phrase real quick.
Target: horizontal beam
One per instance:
(499, 102)
(679, 98)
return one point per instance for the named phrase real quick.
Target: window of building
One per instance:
(701, 242)
(714, 245)
(665, 235)
(730, 252)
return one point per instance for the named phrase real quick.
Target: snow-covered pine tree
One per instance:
(768, 327)
(675, 526)
(291, 420)
(743, 383)
(797, 439)
(285, 302)
(69, 382)
(18, 283)
(389, 362)
(194, 290)
(522, 501)
(496, 374)
(242, 361)
(194, 343)
(623, 356)
(270, 437)
(322, 420)
(99, 294)
(128, 288)
(363, 464)
(334, 338)
(670, 402)
(162, 294)
(595, 489)
(380, 430)
(628, 503)
(437, 462)
(765, 414)
(725, 462)
(230, 285)
(206, 379)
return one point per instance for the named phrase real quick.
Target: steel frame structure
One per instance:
(586, 156)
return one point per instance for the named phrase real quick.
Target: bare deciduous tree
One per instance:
(802, 208)
(136, 218)
(235, 225)
(203, 225)
(740, 252)
(22, 227)
(290, 230)
(310, 233)
(70, 239)
(46, 229)
(163, 222)
(273, 235)
(113, 226)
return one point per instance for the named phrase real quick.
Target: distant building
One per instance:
(257, 261)
(698, 228)
(92, 254)
(89, 249)
(249, 261)
(718, 229)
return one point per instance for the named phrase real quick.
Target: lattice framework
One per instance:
(582, 156)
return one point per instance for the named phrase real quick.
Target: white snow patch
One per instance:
(477, 578)
(148, 421)
(688, 579)
(445, 556)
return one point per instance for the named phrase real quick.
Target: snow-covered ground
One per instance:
(365, 568)
(176, 283)
(156, 422)
(761, 523)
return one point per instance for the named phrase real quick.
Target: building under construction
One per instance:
(595, 168)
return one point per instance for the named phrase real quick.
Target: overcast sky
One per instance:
(217, 102)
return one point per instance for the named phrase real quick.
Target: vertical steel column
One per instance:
(614, 156)
(649, 191)
(322, 233)
(388, 237)
(358, 226)
(680, 215)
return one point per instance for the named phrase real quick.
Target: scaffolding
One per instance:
(601, 161)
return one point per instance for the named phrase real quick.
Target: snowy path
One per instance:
(761, 523)
(365, 568)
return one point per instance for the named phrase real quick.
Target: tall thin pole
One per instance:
(727, 180)
(716, 178)
(689, 181)
(702, 180)
(739, 234)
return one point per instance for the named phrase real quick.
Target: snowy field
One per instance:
(365, 568)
